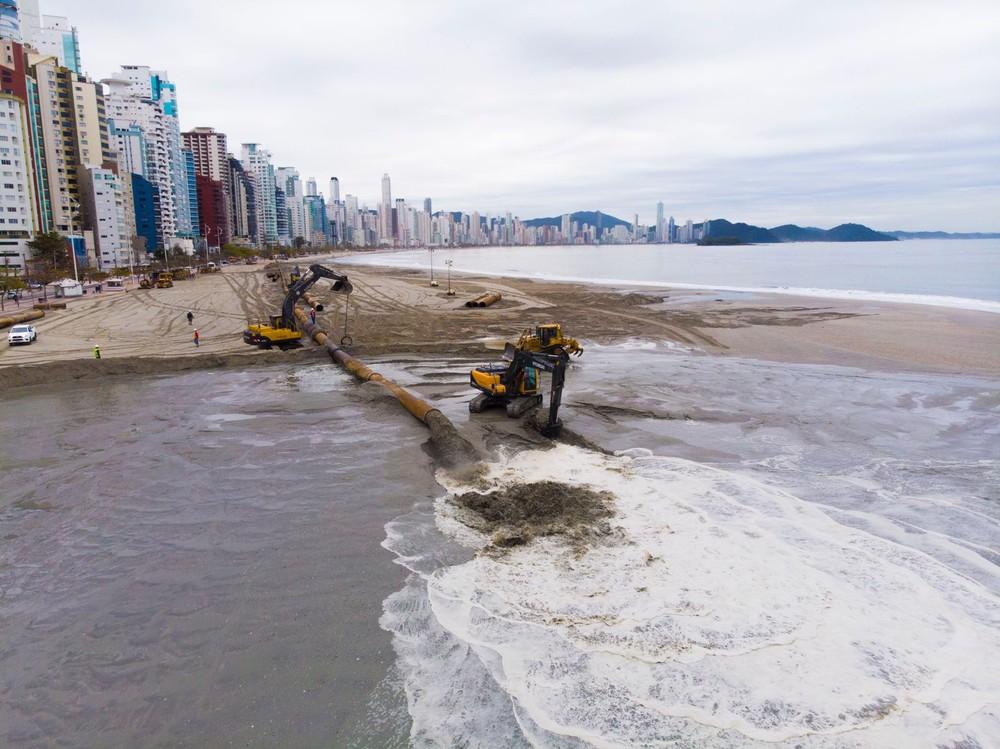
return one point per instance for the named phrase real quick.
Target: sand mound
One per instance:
(514, 515)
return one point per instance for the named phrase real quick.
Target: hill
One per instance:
(943, 235)
(840, 233)
(594, 218)
(742, 233)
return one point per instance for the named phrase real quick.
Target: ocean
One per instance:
(962, 274)
(802, 556)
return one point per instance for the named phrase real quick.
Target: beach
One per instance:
(397, 311)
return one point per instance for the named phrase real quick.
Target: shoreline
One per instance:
(818, 293)
(395, 311)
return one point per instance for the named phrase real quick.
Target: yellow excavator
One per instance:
(281, 330)
(549, 339)
(515, 384)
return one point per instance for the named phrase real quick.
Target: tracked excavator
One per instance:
(515, 384)
(281, 330)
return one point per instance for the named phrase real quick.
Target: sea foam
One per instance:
(721, 613)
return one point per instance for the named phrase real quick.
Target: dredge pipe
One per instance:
(487, 299)
(312, 301)
(448, 446)
(19, 317)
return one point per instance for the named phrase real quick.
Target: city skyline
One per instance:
(615, 110)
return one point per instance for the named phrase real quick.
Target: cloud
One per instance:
(770, 111)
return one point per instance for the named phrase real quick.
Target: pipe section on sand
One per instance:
(312, 301)
(449, 447)
(19, 317)
(485, 300)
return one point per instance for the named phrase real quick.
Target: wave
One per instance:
(723, 613)
(931, 300)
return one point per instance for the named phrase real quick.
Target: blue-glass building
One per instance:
(145, 199)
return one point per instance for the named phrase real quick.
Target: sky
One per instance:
(773, 111)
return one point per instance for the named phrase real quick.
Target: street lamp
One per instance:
(433, 282)
(448, 262)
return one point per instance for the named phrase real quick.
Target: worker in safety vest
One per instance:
(97, 352)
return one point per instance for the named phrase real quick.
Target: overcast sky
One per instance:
(770, 111)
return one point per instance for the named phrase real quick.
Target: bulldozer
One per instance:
(515, 384)
(549, 339)
(165, 280)
(280, 329)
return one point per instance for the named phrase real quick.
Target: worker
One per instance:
(97, 352)
(190, 317)
(197, 337)
(312, 316)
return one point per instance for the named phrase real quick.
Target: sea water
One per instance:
(951, 273)
(801, 556)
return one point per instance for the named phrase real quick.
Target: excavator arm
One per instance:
(297, 289)
(554, 364)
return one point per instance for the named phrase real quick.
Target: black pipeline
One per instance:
(451, 448)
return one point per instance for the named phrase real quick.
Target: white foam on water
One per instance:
(721, 613)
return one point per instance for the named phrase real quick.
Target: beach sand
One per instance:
(397, 311)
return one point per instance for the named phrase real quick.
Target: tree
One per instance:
(299, 242)
(50, 248)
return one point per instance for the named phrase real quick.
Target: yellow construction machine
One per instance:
(165, 280)
(280, 329)
(549, 339)
(515, 384)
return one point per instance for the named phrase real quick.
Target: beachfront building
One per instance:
(257, 163)
(53, 118)
(211, 161)
(138, 97)
(106, 212)
(18, 220)
(53, 36)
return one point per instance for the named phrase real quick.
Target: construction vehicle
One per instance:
(515, 384)
(549, 339)
(281, 330)
(165, 280)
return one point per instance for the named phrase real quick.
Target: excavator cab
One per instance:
(548, 334)
(515, 384)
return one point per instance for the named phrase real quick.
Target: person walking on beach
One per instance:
(97, 352)
(197, 337)
(190, 317)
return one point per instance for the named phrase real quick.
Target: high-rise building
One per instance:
(10, 21)
(566, 228)
(50, 35)
(106, 212)
(211, 160)
(53, 118)
(18, 220)
(671, 230)
(428, 207)
(317, 226)
(257, 162)
(334, 190)
(312, 190)
(659, 222)
(138, 97)
(385, 211)
(213, 210)
(243, 202)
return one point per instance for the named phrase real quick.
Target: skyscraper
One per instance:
(311, 189)
(659, 222)
(209, 149)
(257, 163)
(428, 209)
(385, 230)
(334, 190)
(49, 35)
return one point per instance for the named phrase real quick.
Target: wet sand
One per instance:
(396, 311)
